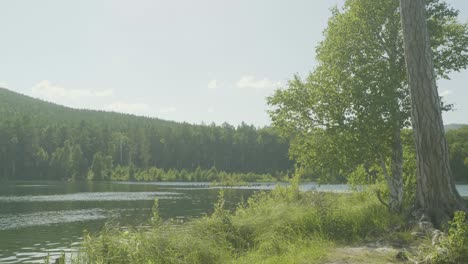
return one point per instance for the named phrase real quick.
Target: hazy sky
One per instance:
(184, 60)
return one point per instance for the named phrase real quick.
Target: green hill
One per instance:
(454, 126)
(41, 140)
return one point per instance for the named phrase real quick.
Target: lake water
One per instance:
(47, 218)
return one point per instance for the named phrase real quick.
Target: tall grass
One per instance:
(282, 226)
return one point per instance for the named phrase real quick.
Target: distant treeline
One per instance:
(44, 141)
(126, 173)
(40, 140)
(457, 140)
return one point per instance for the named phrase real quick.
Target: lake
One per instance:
(47, 218)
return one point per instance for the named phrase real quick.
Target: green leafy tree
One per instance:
(61, 162)
(119, 148)
(121, 173)
(351, 109)
(101, 168)
(41, 162)
(79, 163)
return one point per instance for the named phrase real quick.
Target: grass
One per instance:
(282, 226)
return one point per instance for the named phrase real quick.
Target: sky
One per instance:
(189, 61)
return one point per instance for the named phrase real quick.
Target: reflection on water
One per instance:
(97, 196)
(47, 218)
(11, 221)
(31, 185)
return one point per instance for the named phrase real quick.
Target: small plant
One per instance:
(60, 260)
(156, 219)
(295, 182)
(454, 248)
(219, 209)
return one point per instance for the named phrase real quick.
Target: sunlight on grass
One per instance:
(281, 226)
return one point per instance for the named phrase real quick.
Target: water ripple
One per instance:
(92, 196)
(15, 221)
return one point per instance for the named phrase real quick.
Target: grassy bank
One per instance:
(282, 226)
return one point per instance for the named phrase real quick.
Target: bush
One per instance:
(454, 248)
(125, 173)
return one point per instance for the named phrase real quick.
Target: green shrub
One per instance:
(125, 173)
(454, 247)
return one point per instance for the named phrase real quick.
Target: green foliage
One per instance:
(156, 218)
(229, 181)
(220, 213)
(409, 168)
(222, 178)
(272, 227)
(454, 247)
(40, 140)
(351, 109)
(362, 175)
(300, 251)
(457, 141)
(372, 175)
(65, 162)
(121, 173)
(101, 168)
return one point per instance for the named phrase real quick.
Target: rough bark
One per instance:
(397, 170)
(436, 194)
(395, 179)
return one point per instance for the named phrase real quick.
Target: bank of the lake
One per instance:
(281, 226)
(46, 218)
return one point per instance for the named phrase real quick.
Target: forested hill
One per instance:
(41, 140)
(454, 126)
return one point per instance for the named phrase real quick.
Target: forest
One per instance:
(41, 140)
(44, 141)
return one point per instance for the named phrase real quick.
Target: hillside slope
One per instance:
(41, 140)
(454, 126)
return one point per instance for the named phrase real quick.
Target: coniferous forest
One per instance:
(45, 141)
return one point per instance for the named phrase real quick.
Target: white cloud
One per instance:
(3, 84)
(211, 109)
(45, 89)
(124, 107)
(445, 93)
(167, 110)
(261, 84)
(213, 84)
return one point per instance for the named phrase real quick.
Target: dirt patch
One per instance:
(368, 254)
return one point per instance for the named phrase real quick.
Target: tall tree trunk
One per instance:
(436, 193)
(395, 179)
